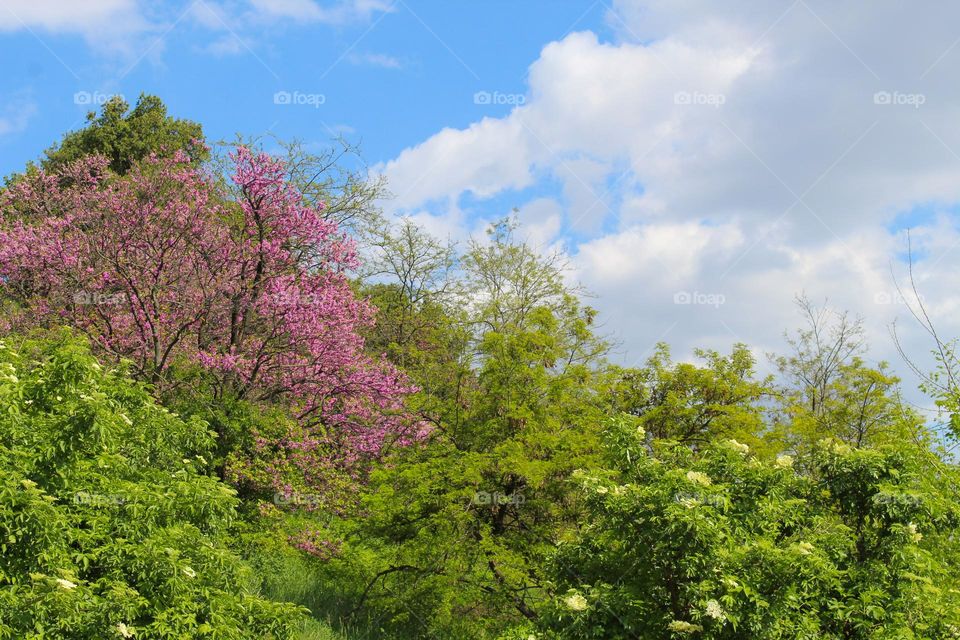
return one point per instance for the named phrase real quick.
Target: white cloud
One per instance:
(750, 150)
(118, 26)
(486, 158)
(16, 116)
(104, 24)
(310, 11)
(240, 23)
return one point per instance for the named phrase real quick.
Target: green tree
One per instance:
(828, 390)
(453, 533)
(693, 403)
(125, 136)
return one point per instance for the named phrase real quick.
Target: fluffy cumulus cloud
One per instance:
(712, 160)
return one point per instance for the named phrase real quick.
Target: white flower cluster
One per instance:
(784, 461)
(715, 611)
(679, 626)
(739, 446)
(576, 602)
(915, 535)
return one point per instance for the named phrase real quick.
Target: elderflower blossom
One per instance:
(715, 611)
(124, 630)
(575, 602)
(805, 548)
(679, 626)
(915, 535)
(66, 584)
(690, 503)
(641, 433)
(739, 446)
(698, 478)
(784, 461)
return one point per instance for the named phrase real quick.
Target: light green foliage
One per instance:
(827, 390)
(723, 545)
(453, 534)
(108, 525)
(861, 407)
(693, 403)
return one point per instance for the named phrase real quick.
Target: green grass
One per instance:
(317, 630)
(288, 576)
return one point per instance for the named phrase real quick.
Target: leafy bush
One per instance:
(720, 544)
(108, 526)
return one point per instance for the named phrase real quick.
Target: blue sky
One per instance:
(388, 80)
(730, 155)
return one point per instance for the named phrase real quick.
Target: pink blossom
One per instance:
(162, 265)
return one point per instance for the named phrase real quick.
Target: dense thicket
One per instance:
(421, 439)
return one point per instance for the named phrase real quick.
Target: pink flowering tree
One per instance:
(162, 267)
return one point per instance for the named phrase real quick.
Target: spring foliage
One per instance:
(109, 527)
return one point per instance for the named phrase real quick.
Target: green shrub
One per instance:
(719, 544)
(109, 527)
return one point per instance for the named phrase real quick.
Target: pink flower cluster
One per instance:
(163, 266)
(316, 544)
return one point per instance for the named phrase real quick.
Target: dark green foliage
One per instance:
(125, 135)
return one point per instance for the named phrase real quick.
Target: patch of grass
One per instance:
(287, 575)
